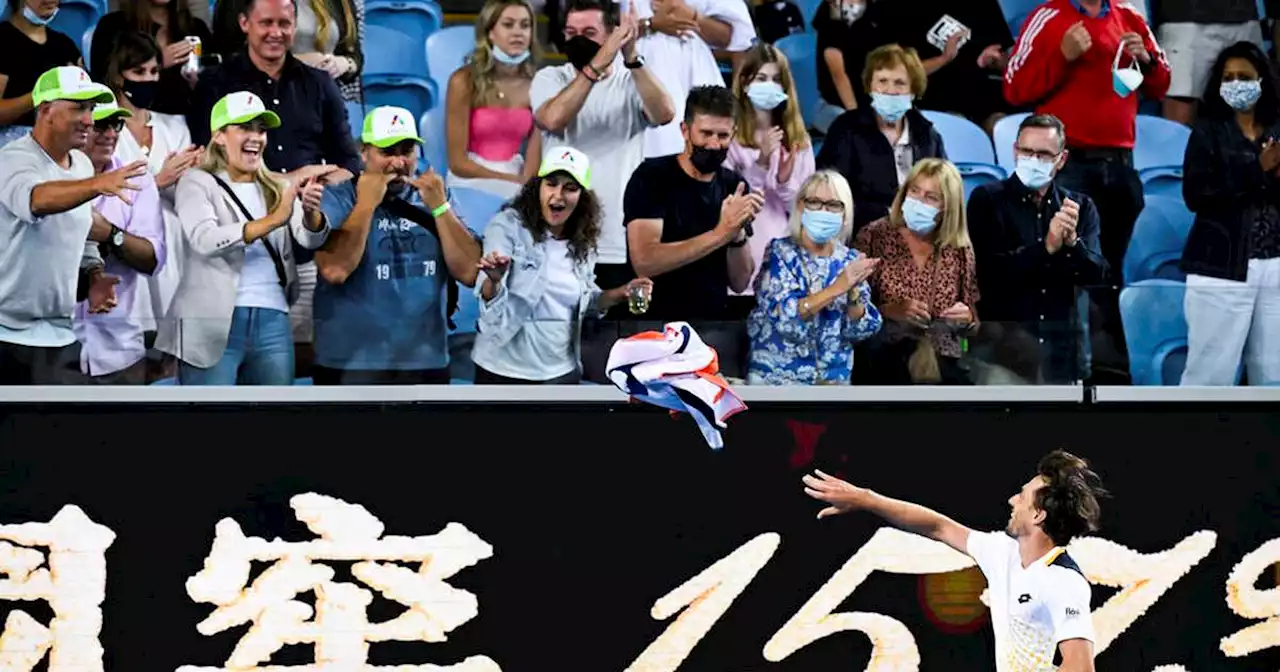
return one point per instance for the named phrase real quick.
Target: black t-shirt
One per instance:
(854, 42)
(660, 189)
(778, 19)
(959, 86)
(23, 61)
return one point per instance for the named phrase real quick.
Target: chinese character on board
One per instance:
(72, 580)
(338, 628)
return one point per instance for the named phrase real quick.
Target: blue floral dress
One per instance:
(786, 350)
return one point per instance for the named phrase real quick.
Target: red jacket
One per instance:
(1081, 93)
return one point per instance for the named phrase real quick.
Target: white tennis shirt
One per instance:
(1034, 608)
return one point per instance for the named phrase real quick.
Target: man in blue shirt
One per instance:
(394, 249)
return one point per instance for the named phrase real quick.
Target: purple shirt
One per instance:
(112, 341)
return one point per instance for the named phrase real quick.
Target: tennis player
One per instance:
(1039, 598)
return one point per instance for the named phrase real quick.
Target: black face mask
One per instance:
(580, 50)
(142, 95)
(707, 160)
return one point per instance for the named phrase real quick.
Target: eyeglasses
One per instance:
(104, 125)
(1036, 154)
(836, 207)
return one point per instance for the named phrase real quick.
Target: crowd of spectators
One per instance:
(202, 214)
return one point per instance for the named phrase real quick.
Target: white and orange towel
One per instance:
(674, 369)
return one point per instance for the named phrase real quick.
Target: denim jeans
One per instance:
(259, 352)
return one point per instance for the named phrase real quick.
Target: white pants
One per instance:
(1227, 320)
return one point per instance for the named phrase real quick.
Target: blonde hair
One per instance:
(272, 187)
(481, 64)
(891, 56)
(348, 33)
(953, 230)
(792, 122)
(844, 194)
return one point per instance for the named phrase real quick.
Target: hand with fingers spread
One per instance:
(177, 164)
(117, 182)
(842, 496)
(1076, 41)
(495, 266)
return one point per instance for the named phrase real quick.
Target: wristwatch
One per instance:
(116, 240)
(636, 64)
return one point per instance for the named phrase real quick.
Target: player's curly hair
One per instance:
(1070, 497)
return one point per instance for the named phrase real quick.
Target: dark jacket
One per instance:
(857, 149)
(1223, 183)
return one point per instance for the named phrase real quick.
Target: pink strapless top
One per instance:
(498, 132)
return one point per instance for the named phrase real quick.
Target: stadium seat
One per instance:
(966, 142)
(75, 18)
(1159, 235)
(476, 207)
(975, 174)
(395, 31)
(802, 51)
(808, 9)
(415, 94)
(1155, 330)
(86, 46)
(446, 51)
(1004, 136)
(355, 118)
(434, 149)
(1159, 147)
(1168, 186)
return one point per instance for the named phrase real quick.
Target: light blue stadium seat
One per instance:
(416, 94)
(1155, 330)
(476, 207)
(1168, 186)
(966, 142)
(801, 50)
(1004, 137)
(1159, 147)
(447, 50)
(395, 31)
(808, 9)
(86, 46)
(75, 18)
(434, 149)
(975, 174)
(355, 118)
(1159, 235)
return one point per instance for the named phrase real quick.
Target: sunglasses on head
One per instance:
(112, 124)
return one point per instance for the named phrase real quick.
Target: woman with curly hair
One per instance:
(538, 280)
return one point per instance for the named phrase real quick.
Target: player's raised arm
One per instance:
(844, 497)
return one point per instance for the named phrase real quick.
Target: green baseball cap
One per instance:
(240, 107)
(388, 125)
(108, 110)
(567, 160)
(69, 83)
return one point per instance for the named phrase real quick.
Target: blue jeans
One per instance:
(259, 352)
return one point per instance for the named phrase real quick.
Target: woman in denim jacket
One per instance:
(539, 279)
(812, 298)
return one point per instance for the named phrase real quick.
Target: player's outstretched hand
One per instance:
(841, 495)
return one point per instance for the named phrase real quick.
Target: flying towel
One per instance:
(674, 369)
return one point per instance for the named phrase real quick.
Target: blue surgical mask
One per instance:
(920, 217)
(30, 15)
(891, 107)
(1033, 172)
(1125, 80)
(766, 96)
(1241, 95)
(507, 59)
(820, 225)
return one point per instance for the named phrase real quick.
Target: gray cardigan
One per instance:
(199, 320)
